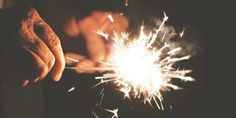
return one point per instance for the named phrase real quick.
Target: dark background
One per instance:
(211, 28)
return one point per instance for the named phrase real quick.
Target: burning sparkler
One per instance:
(141, 70)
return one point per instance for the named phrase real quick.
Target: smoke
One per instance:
(189, 42)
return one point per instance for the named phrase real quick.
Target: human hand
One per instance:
(28, 57)
(98, 49)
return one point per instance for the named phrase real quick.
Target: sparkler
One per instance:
(141, 70)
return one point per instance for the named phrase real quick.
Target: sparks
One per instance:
(126, 3)
(95, 114)
(115, 112)
(126, 92)
(141, 70)
(110, 18)
(182, 33)
(103, 34)
(71, 89)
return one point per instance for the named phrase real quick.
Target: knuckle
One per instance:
(53, 40)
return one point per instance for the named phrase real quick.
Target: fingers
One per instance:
(48, 48)
(40, 48)
(54, 44)
(37, 67)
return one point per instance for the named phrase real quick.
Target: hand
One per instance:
(29, 57)
(98, 48)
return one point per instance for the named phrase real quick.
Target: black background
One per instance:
(210, 96)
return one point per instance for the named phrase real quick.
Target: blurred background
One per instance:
(205, 23)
